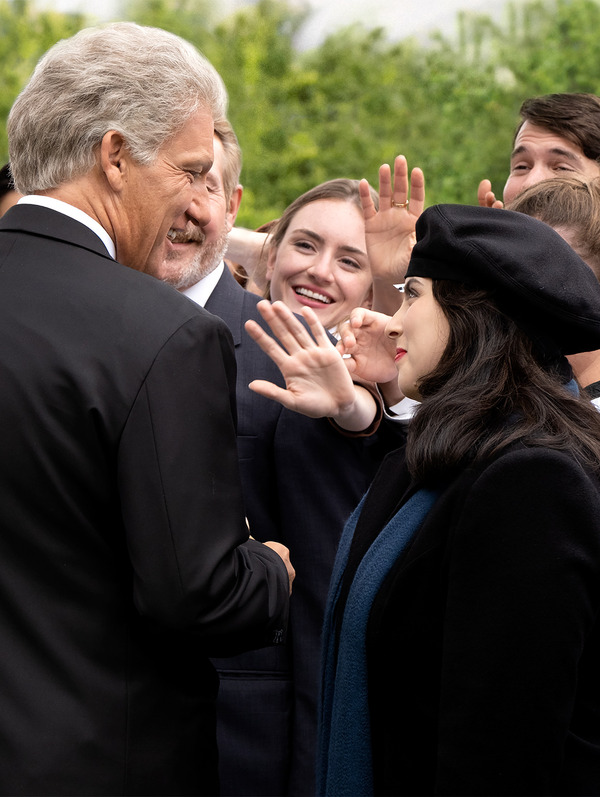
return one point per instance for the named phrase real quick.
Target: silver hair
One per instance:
(143, 82)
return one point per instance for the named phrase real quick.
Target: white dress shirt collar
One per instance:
(74, 213)
(200, 292)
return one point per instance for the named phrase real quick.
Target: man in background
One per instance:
(558, 135)
(124, 555)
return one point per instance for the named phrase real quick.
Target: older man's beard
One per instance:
(205, 257)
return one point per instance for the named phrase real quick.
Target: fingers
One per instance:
(485, 188)
(316, 327)
(397, 196)
(284, 553)
(346, 329)
(266, 342)
(385, 186)
(285, 326)
(347, 338)
(400, 192)
(491, 201)
(486, 197)
(417, 191)
(362, 317)
(272, 391)
(290, 335)
(368, 206)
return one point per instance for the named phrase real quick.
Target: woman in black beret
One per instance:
(461, 648)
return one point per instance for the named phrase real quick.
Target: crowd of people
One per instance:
(308, 510)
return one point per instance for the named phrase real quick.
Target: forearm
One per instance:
(193, 567)
(246, 247)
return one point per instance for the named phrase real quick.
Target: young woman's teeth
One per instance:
(318, 297)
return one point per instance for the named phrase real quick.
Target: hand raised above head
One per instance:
(390, 231)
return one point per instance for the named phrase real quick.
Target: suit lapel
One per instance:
(227, 301)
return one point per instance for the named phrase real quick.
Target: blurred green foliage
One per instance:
(358, 99)
(25, 34)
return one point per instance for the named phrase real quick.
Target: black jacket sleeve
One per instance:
(193, 565)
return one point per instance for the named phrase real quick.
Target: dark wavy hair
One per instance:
(492, 388)
(571, 115)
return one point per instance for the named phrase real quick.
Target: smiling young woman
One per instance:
(317, 253)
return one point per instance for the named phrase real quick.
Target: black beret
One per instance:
(536, 278)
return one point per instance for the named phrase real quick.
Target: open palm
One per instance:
(390, 231)
(317, 381)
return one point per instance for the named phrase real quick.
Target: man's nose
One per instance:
(199, 208)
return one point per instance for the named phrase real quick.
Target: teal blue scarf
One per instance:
(344, 767)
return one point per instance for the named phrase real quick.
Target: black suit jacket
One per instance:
(301, 480)
(121, 558)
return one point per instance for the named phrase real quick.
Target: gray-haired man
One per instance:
(124, 555)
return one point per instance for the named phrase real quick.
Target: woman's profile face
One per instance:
(322, 261)
(421, 331)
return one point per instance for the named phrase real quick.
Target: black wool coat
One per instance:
(483, 643)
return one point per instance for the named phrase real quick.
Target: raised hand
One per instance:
(486, 197)
(368, 350)
(390, 231)
(318, 383)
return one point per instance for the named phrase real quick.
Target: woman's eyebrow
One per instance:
(319, 239)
